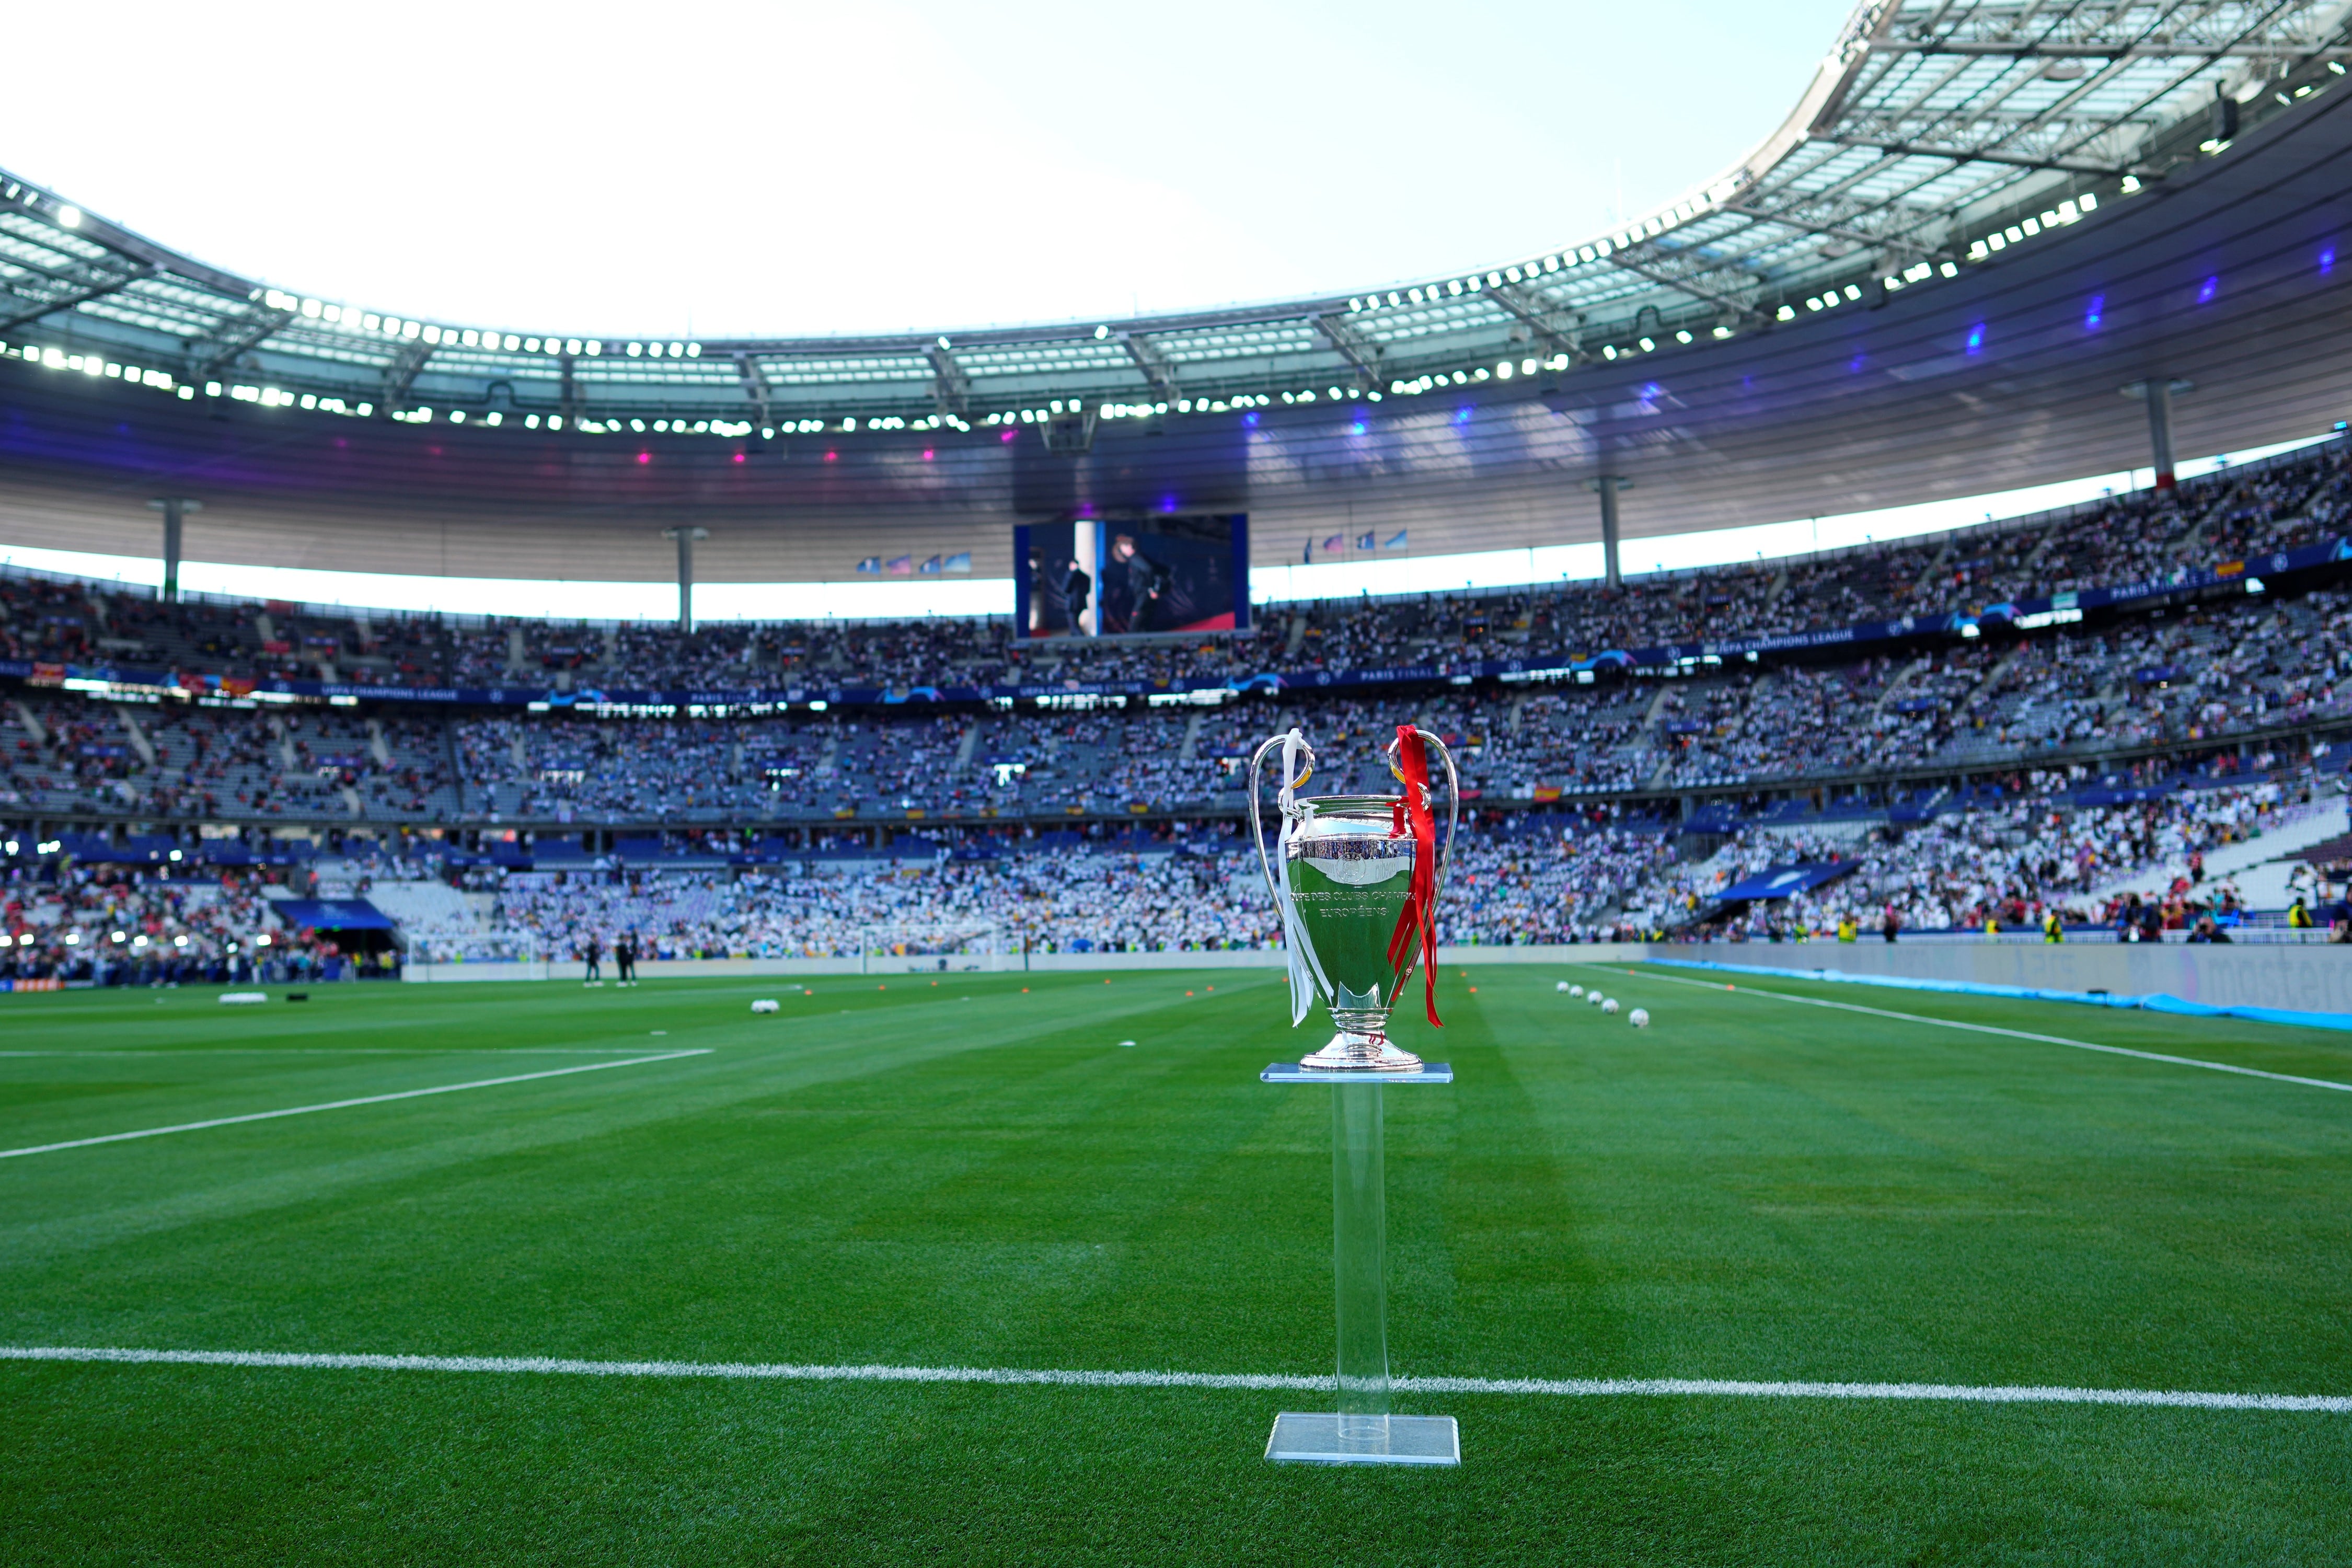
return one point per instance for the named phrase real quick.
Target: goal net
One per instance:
(949, 947)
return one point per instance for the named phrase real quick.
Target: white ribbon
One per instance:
(1305, 969)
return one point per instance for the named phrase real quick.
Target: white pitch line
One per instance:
(1579, 1387)
(344, 1104)
(2013, 1034)
(350, 1051)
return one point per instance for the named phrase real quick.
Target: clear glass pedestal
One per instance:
(1362, 1430)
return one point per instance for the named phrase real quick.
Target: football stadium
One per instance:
(1797, 727)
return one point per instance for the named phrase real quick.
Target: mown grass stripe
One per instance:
(343, 1104)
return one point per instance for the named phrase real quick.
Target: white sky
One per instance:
(768, 169)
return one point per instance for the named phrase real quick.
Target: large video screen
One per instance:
(1108, 577)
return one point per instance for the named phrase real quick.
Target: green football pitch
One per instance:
(981, 1173)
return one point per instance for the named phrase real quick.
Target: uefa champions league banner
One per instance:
(2022, 614)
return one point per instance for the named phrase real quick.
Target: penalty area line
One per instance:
(2012, 1034)
(1575, 1387)
(345, 1104)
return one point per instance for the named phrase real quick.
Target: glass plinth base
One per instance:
(1291, 1072)
(1321, 1439)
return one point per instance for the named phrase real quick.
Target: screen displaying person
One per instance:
(1148, 581)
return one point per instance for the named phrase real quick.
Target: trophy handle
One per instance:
(1257, 827)
(1453, 817)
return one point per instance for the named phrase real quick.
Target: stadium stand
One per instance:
(1980, 761)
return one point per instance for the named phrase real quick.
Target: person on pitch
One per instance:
(625, 957)
(593, 951)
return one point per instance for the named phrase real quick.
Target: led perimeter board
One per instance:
(1113, 577)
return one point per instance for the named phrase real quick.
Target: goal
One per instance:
(939, 947)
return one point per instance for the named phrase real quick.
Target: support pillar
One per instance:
(686, 538)
(2159, 430)
(176, 510)
(2159, 392)
(1609, 485)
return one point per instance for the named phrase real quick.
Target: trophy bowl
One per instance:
(1355, 879)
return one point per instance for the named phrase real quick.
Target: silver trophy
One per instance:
(1356, 879)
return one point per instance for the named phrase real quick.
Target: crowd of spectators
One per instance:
(2002, 865)
(2180, 677)
(119, 925)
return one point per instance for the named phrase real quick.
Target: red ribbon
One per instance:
(1418, 918)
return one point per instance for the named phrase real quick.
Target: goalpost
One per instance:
(936, 947)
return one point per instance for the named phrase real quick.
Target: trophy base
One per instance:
(1321, 1439)
(1361, 1053)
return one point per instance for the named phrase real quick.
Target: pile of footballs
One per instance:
(1639, 1017)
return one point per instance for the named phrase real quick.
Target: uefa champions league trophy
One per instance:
(1355, 880)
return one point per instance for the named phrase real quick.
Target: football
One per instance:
(1594, 997)
(1638, 1018)
(1576, 991)
(1609, 1006)
(765, 1004)
(1561, 986)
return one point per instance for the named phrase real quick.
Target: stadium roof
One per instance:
(1925, 132)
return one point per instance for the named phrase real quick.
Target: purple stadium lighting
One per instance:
(2096, 313)
(2205, 294)
(1977, 338)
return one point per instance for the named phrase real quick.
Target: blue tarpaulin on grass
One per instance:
(2156, 1001)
